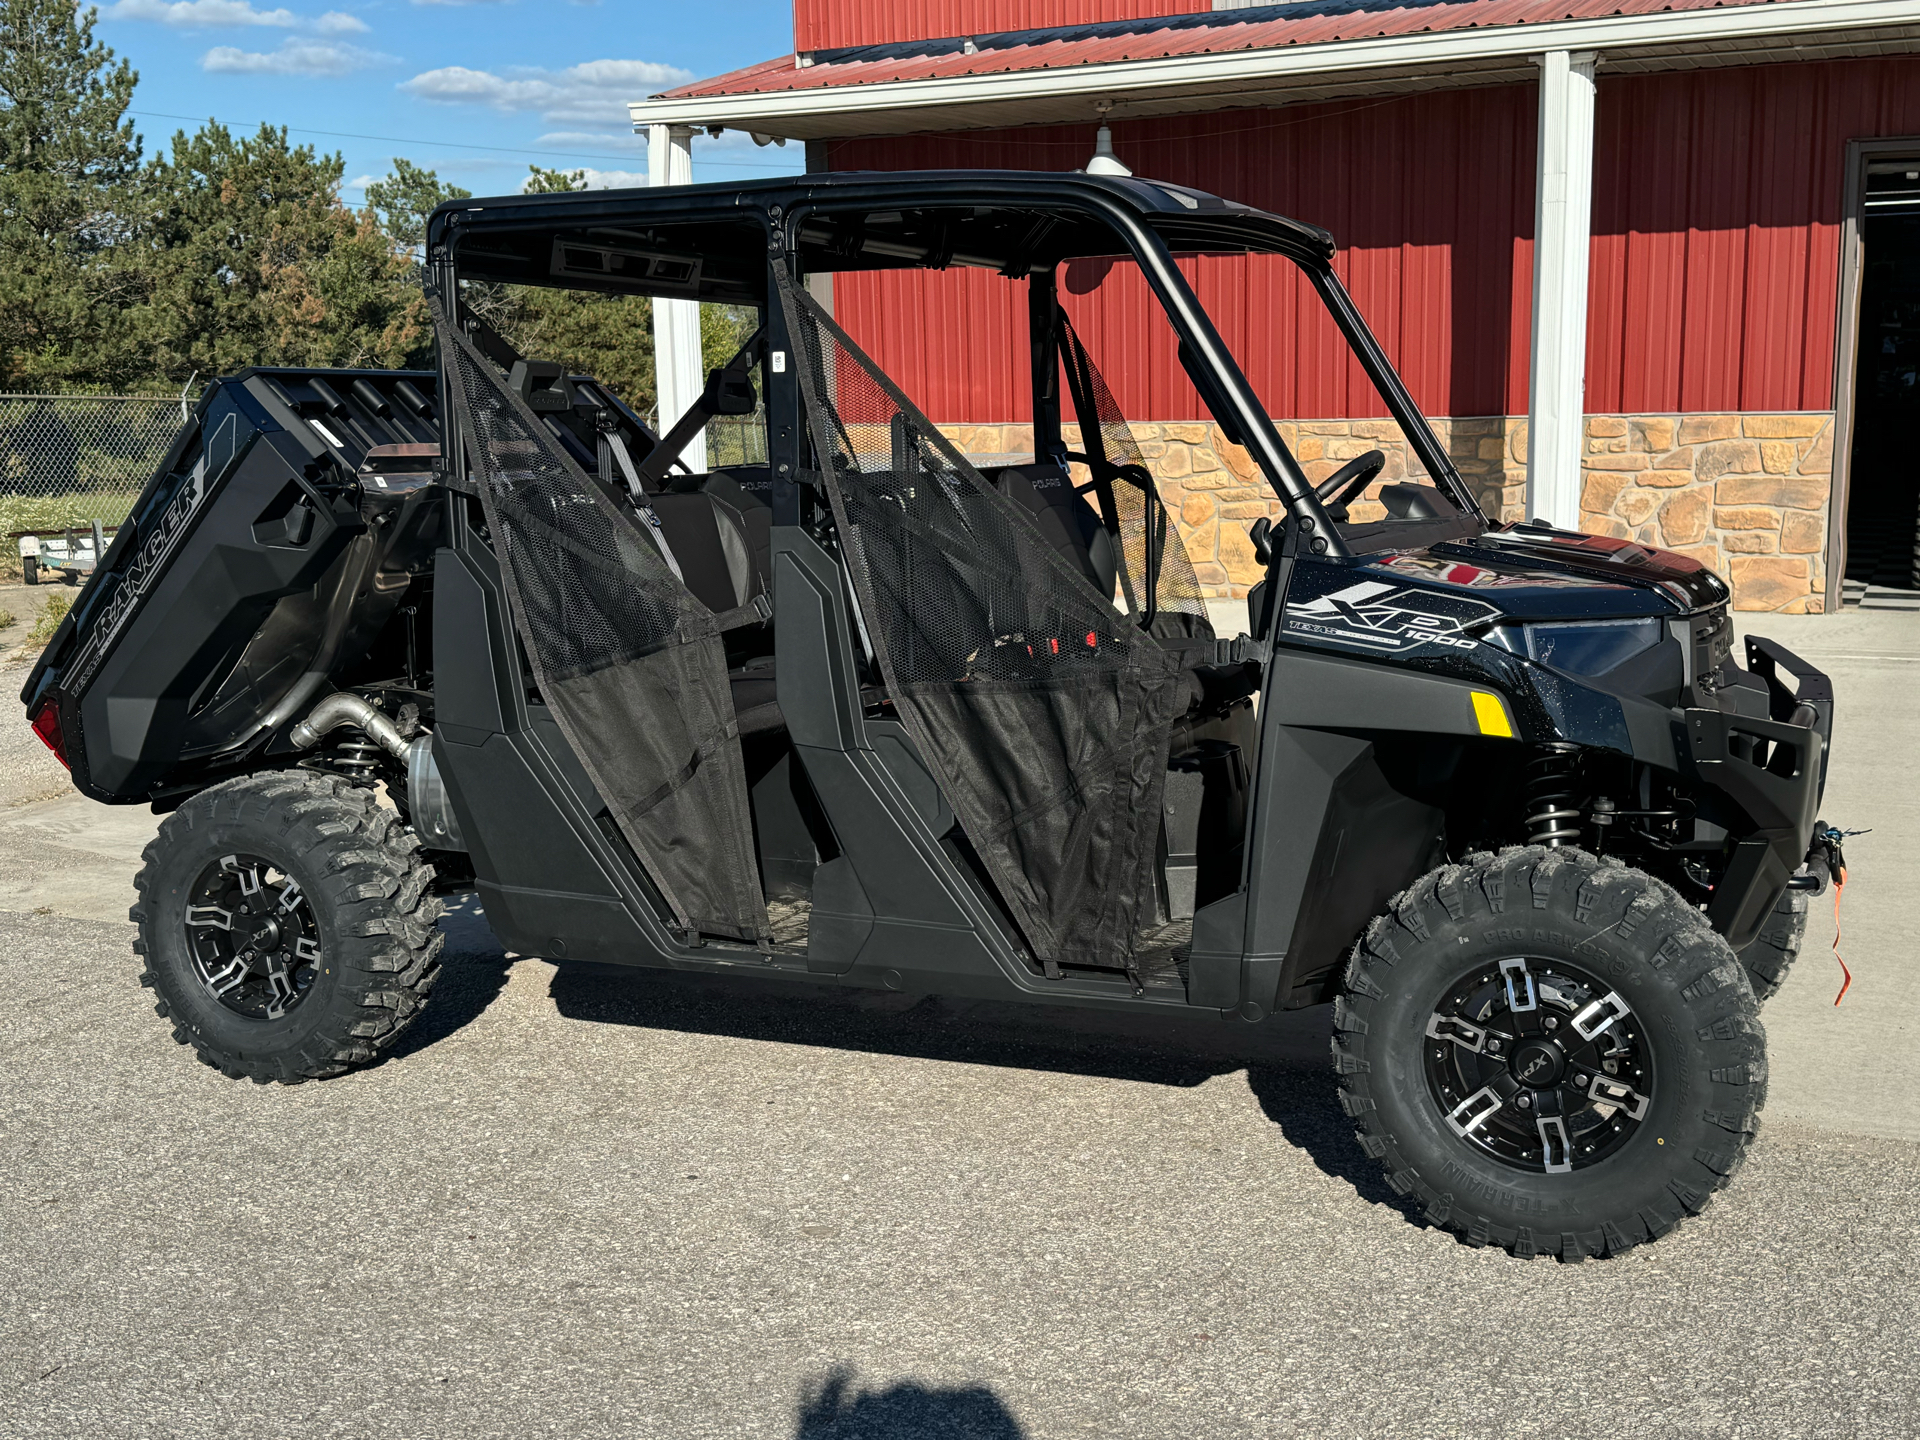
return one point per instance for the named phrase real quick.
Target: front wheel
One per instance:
(30, 569)
(286, 926)
(1768, 957)
(1550, 1053)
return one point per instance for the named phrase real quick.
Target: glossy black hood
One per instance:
(1430, 599)
(1465, 608)
(1685, 585)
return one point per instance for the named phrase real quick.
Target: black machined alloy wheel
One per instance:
(253, 936)
(1538, 1063)
(1549, 1052)
(287, 926)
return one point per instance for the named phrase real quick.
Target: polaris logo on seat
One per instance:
(1390, 618)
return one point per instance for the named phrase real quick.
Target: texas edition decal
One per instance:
(1392, 618)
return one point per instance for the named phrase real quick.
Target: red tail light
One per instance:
(46, 725)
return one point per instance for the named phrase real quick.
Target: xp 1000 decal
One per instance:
(1380, 616)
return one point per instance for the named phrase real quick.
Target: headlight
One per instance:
(1580, 647)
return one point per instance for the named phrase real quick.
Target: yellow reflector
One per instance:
(1492, 715)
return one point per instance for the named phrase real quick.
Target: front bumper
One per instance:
(1764, 745)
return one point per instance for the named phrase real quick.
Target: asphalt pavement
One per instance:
(588, 1200)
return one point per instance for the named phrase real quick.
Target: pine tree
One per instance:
(69, 202)
(254, 261)
(406, 197)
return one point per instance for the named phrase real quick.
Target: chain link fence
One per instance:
(66, 460)
(737, 440)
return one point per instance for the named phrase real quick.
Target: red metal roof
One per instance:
(831, 24)
(1214, 33)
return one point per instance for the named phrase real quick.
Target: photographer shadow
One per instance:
(837, 1406)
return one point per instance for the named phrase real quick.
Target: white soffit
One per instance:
(1282, 75)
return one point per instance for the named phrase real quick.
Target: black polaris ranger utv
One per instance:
(873, 714)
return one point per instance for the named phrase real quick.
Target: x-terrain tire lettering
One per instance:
(1549, 1052)
(286, 926)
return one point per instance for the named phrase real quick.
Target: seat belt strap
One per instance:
(757, 611)
(649, 517)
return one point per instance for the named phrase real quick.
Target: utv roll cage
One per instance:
(1003, 221)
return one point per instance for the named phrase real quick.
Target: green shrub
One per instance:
(51, 614)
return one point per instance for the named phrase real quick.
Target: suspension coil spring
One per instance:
(1553, 817)
(355, 759)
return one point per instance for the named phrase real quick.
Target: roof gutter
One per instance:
(764, 111)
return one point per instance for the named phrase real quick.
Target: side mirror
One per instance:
(1260, 534)
(729, 392)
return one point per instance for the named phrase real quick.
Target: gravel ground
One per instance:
(592, 1201)
(28, 771)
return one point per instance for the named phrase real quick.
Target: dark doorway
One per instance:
(1884, 458)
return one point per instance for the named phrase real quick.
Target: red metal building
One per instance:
(1644, 266)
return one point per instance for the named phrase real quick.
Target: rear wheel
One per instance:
(287, 927)
(1550, 1053)
(30, 569)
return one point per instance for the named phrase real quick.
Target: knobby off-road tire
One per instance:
(1677, 1031)
(1768, 956)
(357, 929)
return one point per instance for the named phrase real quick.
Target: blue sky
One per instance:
(476, 90)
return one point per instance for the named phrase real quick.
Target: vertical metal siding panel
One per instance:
(1653, 202)
(1517, 344)
(1420, 194)
(1728, 189)
(1609, 280)
(1772, 300)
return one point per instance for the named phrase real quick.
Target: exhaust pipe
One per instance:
(345, 709)
(428, 804)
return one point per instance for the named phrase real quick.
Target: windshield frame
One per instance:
(1255, 233)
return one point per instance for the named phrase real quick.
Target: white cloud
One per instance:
(593, 140)
(596, 91)
(201, 14)
(230, 14)
(294, 57)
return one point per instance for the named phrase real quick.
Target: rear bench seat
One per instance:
(719, 530)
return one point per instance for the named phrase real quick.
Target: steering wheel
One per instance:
(1349, 481)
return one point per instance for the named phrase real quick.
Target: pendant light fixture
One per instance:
(1105, 161)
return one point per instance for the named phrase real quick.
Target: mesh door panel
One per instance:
(630, 662)
(1179, 610)
(1044, 712)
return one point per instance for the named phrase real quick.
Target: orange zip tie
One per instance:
(1847, 979)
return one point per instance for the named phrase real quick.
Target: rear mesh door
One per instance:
(1043, 711)
(629, 660)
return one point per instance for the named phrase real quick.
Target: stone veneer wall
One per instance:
(1746, 494)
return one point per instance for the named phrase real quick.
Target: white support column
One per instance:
(1563, 192)
(678, 376)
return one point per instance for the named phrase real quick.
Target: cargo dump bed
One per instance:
(283, 548)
